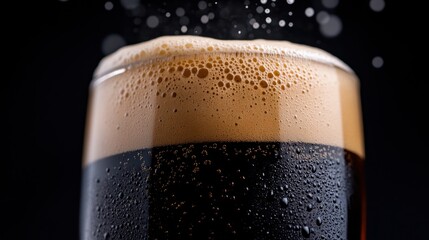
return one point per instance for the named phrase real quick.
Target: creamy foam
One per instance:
(175, 90)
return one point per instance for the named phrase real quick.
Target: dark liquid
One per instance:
(224, 190)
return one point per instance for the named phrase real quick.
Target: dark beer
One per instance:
(194, 138)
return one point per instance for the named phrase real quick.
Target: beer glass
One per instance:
(196, 138)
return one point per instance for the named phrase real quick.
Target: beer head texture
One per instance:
(187, 89)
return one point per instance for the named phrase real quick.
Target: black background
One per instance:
(53, 48)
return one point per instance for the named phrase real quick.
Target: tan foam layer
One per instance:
(176, 90)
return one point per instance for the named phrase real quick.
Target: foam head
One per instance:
(175, 90)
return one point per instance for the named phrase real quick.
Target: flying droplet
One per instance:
(377, 5)
(152, 21)
(130, 4)
(202, 5)
(204, 19)
(330, 3)
(332, 27)
(108, 6)
(180, 12)
(377, 62)
(309, 12)
(112, 43)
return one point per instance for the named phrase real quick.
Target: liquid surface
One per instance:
(175, 90)
(224, 190)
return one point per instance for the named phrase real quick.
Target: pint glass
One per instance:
(197, 138)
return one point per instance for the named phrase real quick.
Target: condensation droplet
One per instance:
(285, 202)
(305, 231)
(318, 221)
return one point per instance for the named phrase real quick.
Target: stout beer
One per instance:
(197, 138)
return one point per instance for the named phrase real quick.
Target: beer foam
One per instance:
(186, 89)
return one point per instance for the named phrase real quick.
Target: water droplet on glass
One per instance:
(106, 235)
(282, 23)
(285, 202)
(318, 221)
(290, 1)
(305, 231)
